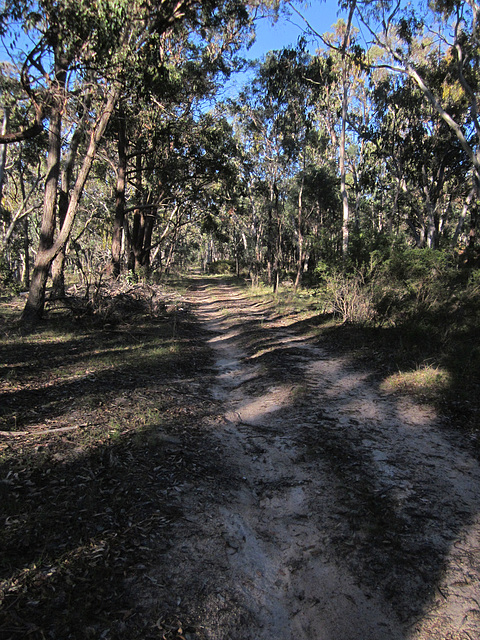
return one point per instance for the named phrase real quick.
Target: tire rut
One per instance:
(348, 513)
(279, 566)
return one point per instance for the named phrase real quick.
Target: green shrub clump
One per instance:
(409, 286)
(221, 267)
(9, 285)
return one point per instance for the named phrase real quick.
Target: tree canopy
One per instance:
(120, 154)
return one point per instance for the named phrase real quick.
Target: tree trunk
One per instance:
(343, 181)
(463, 215)
(298, 279)
(472, 235)
(147, 239)
(138, 229)
(119, 194)
(58, 274)
(36, 297)
(3, 152)
(26, 256)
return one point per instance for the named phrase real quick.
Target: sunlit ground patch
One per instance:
(427, 380)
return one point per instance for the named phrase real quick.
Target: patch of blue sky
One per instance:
(321, 15)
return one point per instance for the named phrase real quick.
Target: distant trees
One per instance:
(439, 51)
(113, 155)
(397, 129)
(79, 60)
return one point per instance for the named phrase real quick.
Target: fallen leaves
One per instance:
(89, 476)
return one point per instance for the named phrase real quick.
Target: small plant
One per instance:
(350, 298)
(426, 380)
(131, 277)
(221, 267)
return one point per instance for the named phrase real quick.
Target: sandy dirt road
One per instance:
(339, 512)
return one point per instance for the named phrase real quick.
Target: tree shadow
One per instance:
(85, 521)
(80, 534)
(85, 512)
(44, 379)
(399, 536)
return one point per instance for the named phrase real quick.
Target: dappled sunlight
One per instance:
(400, 434)
(279, 481)
(223, 337)
(98, 363)
(401, 490)
(255, 410)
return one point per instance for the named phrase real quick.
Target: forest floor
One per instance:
(210, 466)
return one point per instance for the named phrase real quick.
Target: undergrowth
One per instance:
(416, 314)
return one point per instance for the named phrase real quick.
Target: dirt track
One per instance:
(340, 512)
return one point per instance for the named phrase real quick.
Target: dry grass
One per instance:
(426, 381)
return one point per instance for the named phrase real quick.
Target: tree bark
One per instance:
(343, 178)
(147, 240)
(25, 134)
(36, 298)
(26, 256)
(138, 227)
(3, 152)
(58, 275)
(343, 181)
(461, 222)
(119, 194)
(298, 279)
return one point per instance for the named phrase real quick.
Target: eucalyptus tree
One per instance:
(170, 91)
(345, 73)
(84, 51)
(342, 109)
(73, 45)
(260, 131)
(437, 45)
(427, 168)
(21, 168)
(203, 172)
(293, 72)
(21, 204)
(272, 117)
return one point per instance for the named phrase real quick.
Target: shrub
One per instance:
(412, 265)
(221, 267)
(415, 285)
(350, 298)
(8, 282)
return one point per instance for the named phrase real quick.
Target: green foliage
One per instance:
(221, 267)
(411, 265)
(8, 283)
(323, 271)
(418, 287)
(421, 289)
(131, 277)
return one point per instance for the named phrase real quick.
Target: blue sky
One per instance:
(286, 31)
(321, 15)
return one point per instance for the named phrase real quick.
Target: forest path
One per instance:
(348, 514)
